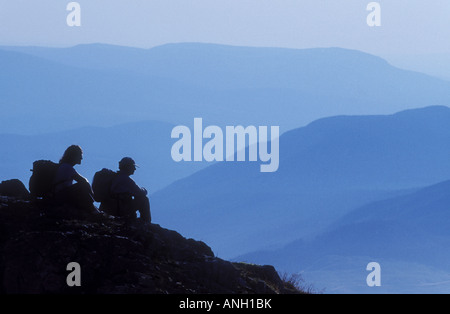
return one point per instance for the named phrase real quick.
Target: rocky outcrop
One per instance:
(14, 188)
(37, 242)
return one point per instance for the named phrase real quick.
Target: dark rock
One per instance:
(14, 188)
(116, 257)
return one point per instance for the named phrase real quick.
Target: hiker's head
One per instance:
(127, 165)
(73, 155)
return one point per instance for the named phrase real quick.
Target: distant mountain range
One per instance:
(53, 89)
(327, 169)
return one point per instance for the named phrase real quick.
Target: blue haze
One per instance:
(361, 139)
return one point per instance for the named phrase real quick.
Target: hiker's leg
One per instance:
(127, 207)
(110, 207)
(62, 197)
(142, 204)
(83, 197)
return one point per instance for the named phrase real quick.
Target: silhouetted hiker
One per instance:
(126, 196)
(79, 194)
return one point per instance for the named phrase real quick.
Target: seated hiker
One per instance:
(127, 196)
(79, 194)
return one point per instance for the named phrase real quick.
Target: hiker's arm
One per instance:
(79, 178)
(144, 191)
(137, 190)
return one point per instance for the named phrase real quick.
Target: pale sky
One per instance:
(407, 26)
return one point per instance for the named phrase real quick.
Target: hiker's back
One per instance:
(63, 177)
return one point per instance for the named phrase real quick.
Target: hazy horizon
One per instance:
(407, 27)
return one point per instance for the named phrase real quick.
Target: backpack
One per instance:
(41, 181)
(101, 184)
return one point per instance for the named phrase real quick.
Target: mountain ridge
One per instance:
(226, 85)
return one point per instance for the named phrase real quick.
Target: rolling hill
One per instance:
(327, 168)
(408, 235)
